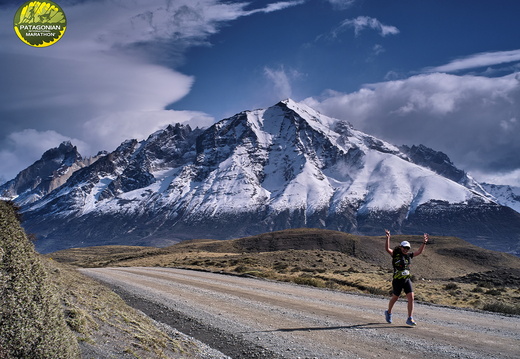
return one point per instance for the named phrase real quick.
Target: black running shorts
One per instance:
(398, 285)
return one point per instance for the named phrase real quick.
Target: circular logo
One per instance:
(40, 23)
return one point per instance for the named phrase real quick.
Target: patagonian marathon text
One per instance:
(40, 27)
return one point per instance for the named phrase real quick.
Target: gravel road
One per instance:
(254, 318)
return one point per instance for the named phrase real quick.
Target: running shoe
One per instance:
(411, 322)
(388, 316)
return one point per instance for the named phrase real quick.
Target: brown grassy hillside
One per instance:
(450, 272)
(48, 308)
(32, 324)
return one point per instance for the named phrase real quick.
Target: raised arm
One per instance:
(387, 245)
(421, 248)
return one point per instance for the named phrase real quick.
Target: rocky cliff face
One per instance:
(287, 166)
(48, 173)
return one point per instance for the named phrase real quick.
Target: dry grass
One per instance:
(332, 260)
(105, 325)
(48, 308)
(31, 319)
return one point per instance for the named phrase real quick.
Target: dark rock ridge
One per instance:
(437, 161)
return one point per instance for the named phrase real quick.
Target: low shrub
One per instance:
(377, 291)
(451, 286)
(487, 285)
(242, 269)
(499, 307)
(310, 281)
(494, 292)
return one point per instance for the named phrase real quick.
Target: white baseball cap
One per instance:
(405, 244)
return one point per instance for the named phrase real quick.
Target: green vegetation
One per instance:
(32, 324)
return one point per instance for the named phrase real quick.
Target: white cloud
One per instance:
(100, 133)
(96, 83)
(276, 7)
(108, 131)
(187, 22)
(281, 82)
(110, 76)
(478, 60)
(378, 49)
(363, 22)
(472, 119)
(341, 4)
(511, 178)
(119, 23)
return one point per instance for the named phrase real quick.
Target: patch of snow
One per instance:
(505, 195)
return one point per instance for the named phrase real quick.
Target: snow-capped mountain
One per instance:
(505, 195)
(283, 167)
(46, 174)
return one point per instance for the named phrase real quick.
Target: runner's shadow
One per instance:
(357, 326)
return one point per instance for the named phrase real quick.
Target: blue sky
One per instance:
(441, 73)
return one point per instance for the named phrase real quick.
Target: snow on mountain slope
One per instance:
(505, 195)
(268, 159)
(282, 167)
(285, 158)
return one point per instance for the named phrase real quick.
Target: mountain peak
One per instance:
(286, 166)
(46, 174)
(288, 102)
(66, 145)
(64, 152)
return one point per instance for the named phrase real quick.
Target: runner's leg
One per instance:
(393, 299)
(410, 298)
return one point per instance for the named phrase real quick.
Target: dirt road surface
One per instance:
(281, 320)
